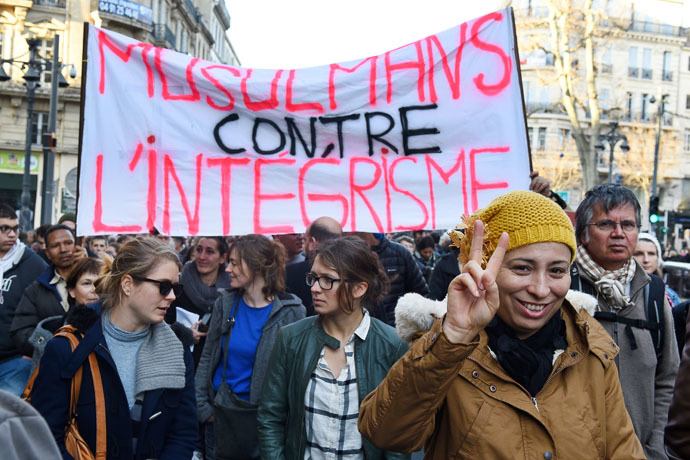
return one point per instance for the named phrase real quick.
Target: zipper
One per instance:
(534, 401)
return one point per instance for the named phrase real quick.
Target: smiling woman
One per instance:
(509, 353)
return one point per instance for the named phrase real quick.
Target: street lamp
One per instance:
(35, 66)
(612, 138)
(659, 117)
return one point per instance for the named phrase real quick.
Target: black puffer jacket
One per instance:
(404, 274)
(445, 270)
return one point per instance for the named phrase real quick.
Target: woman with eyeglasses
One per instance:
(147, 374)
(250, 313)
(322, 367)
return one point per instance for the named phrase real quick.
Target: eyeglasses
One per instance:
(164, 286)
(325, 282)
(628, 226)
(6, 229)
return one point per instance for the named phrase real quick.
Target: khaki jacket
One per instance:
(457, 402)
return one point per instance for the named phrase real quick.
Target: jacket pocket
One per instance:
(469, 446)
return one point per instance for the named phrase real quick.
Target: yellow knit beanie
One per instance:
(527, 217)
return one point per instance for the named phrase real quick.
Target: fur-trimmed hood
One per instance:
(415, 313)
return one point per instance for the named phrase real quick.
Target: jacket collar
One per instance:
(45, 277)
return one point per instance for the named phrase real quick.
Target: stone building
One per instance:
(641, 55)
(194, 27)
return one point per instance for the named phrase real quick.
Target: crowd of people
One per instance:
(519, 334)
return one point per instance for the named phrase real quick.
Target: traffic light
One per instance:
(654, 209)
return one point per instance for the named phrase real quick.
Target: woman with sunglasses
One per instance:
(322, 367)
(251, 313)
(146, 371)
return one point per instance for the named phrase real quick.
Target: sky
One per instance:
(289, 34)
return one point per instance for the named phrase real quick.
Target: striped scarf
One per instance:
(609, 284)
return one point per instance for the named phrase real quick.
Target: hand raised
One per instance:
(473, 295)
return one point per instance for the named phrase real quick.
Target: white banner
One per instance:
(410, 139)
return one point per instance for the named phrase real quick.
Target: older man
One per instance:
(606, 225)
(47, 296)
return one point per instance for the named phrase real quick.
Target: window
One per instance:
(666, 73)
(604, 100)
(530, 136)
(687, 102)
(1, 37)
(686, 145)
(647, 63)
(45, 49)
(542, 139)
(629, 107)
(644, 116)
(606, 63)
(633, 70)
(39, 125)
(564, 138)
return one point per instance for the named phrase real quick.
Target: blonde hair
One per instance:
(136, 257)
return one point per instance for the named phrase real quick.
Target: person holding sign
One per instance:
(322, 367)
(242, 330)
(512, 369)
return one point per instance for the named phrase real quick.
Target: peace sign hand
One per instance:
(473, 295)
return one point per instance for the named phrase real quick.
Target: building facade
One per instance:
(194, 27)
(641, 57)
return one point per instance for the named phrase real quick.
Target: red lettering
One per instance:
(169, 171)
(402, 228)
(418, 64)
(372, 81)
(445, 176)
(360, 189)
(225, 175)
(124, 55)
(259, 197)
(98, 225)
(195, 96)
(319, 196)
(384, 163)
(137, 154)
(475, 185)
(231, 101)
(151, 198)
(292, 107)
(491, 90)
(266, 104)
(452, 78)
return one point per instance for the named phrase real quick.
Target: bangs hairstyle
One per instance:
(87, 265)
(136, 257)
(264, 258)
(353, 261)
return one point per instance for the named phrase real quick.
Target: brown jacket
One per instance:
(678, 428)
(457, 402)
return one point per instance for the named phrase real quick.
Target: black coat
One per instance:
(445, 270)
(404, 274)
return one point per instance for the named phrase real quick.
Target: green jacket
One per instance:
(282, 434)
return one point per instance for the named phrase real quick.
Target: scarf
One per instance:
(203, 296)
(9, 260)
(609, 284)
(529, 362)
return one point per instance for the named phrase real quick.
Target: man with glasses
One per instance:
(19, 267)
(606, 226)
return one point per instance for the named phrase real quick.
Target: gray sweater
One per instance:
(287, 308)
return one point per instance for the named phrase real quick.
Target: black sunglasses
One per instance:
(164, 286)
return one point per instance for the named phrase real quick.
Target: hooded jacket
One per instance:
(458, 402)
(646, 382)
(287, 308)
(40, 301)
(14, 282)
(165, 374)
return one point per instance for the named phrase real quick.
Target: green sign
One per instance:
(12, 161)
(565, 196)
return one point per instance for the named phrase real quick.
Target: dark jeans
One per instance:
(210, 441)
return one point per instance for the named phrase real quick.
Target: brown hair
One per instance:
(136, 257)
(87, 265)
(265, 258)
(354, 262)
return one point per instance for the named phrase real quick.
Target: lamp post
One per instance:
(659, 117)
(34, 68)
(612, 138)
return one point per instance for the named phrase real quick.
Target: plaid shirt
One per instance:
(332, 406)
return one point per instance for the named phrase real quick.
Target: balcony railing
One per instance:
(633, 72)
(53, 3)
(667, 75)
(164, 35)
(606, 68)
(192, 9)
(657, 28)
(647, 74)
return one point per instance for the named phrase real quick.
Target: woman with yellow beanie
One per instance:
(507, 367)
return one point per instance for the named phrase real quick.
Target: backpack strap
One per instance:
(656, 293)
(74, 336)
